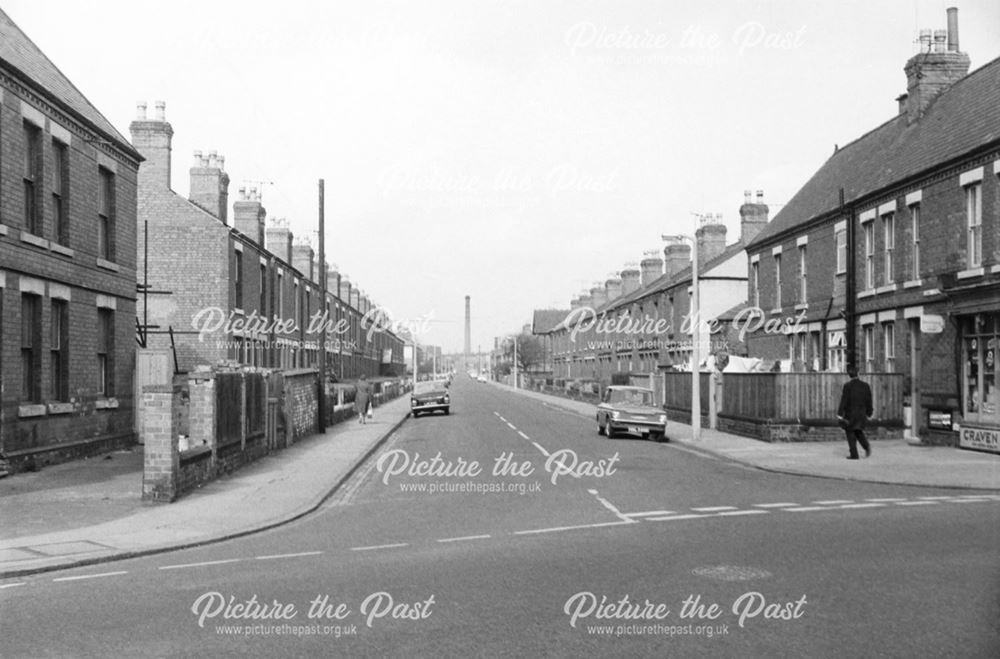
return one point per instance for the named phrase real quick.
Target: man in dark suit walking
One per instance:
(855, 408)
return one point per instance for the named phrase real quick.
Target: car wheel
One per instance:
(610, 431)
(447, 411)
(416, 414)
(656, 436)
(600, 428)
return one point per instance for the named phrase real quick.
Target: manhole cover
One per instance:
(731, 572)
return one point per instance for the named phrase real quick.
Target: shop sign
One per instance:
(979, 439)
(931, 324)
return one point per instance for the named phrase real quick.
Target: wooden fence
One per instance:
(794, 397)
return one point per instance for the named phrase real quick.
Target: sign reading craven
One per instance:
(979, 439)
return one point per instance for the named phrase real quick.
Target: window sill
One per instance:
(24, 411)
(61, 408)
(62, 249)
(888, 288)
(970, 273)
(32, 239)
(869, 293)
(932, 291)
(913, 283)
(106, 404)
(775, 311)
(802, 307)
(108, 265)
(3, 230)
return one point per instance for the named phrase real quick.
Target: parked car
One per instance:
(429, 397)
(631, 410)
(482, 378)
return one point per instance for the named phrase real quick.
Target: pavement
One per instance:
(90, 511)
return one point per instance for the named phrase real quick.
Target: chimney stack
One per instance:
(652, 267)
(753, 217)
(302, 258)
(248, 214)
(598, 296)
(586, 300)
(152, 139)
(934, 69)
(613, 287)
(677, 256)
(631, 278)
(210, 185)
(574, 304)
(345, 289)
(711, 238)
(278, 239)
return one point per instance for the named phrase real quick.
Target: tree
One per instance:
(530, 352)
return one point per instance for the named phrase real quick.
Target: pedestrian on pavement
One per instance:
(362, 397)
(854, 409)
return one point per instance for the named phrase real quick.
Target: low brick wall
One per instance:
(184, 415)
(775, 430)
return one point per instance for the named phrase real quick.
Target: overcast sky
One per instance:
(511, 150)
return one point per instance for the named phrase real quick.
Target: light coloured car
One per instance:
(632, 411)
(430, 396)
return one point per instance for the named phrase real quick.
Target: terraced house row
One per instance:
(80, 209)
(896, 238)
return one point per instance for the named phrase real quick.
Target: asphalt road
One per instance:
(575, 546)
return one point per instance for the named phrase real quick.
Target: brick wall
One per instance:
(301, 403)
(55, 428)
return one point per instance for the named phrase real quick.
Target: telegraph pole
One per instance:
(321, 407)
(850, 308)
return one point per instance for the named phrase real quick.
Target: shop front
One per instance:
(980, 394)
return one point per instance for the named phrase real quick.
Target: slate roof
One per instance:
(26, 61)
(545, 320)
(963, 118)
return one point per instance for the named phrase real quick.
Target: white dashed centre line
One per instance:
(610, 506)
(178, 567)
(833, 502)
(464, 538)
(523, 435)
(673, 517)
(540, 448)
(91, 576)
(373, 547)
(303, 553)
(650, 513)
(862, 505)
(806, 509)
(935, 498)
(713, 509)
(13, 585)
(775, 505)
(570, 528)
(917, 503)
(743, 512)
(885, 500)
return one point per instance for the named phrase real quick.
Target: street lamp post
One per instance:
(695, 317)
(515, 361)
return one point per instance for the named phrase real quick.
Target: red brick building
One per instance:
(638, 322)
(245, 292)
(67, 264)
(922, 196)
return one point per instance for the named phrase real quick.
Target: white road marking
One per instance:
(523, 435)
(511, 425)
(651, 512)
(833, 502)
(973, 496)
(885, 500)
(303, 553)
(775, 505)
(863, 505)
(713, 509)
(392, 546)
(806, 509)
(916, 503)
(13, 585)
(687, 450)
(91, 576)
(540, 448)
(610, 506)
(673, 517)
(570, 528)
(970, 500)
(178, 567)
(465, 537)
(743, 512)
(935, 498)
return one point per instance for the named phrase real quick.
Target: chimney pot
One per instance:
(213, 159)
(140, 111)
(925, 40)
(952, 29)
(222, 163)
(197, 159)
(760, 196)
(161, 110)
(746, 196)
(940, 40)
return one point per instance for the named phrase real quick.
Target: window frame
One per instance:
(106, 207)
(33, 178)
(59, 349)
(60, 192)
(803, 275)
(974, 224)
(888, 247)
(869, 233)
(105, 352)
(31, 348)
(889, 346)
(840, 244)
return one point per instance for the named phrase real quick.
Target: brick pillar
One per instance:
(201, 385)
(161, 457)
